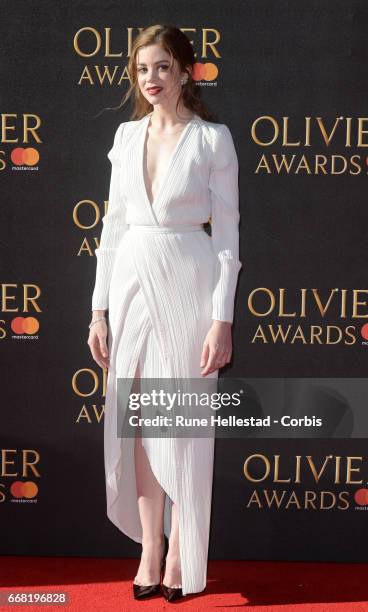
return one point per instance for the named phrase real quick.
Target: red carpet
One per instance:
(105, 584)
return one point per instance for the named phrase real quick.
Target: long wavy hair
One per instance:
(176, 43)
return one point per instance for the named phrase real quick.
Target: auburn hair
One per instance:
(179, 47)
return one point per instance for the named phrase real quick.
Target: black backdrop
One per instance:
(299, 229)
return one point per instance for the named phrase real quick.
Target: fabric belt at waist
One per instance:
(176, 229)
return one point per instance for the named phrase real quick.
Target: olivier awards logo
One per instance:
(304, 483)
(19, 475)
(310, 316)
(86, 217)
(20, 130)
(323, 140)
(87, 384)
(15, 299)
(102, 54)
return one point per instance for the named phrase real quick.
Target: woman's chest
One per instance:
(157, 154)
(173, 170)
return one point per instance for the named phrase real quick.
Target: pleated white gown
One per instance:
(163, 280)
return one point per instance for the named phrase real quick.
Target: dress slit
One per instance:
(136, 388)
(161, 452)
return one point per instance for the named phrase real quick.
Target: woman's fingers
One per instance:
(216, 361)
(103, 345)
(97, 356)
(99, 350)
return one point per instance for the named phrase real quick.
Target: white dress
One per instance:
(163, 279)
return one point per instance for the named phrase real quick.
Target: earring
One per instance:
(184, 80)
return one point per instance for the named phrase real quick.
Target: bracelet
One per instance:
(95, 321)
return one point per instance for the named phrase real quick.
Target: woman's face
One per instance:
(157, 81)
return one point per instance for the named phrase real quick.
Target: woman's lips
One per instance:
(154, 90)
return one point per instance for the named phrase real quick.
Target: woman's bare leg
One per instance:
(151, 502)
(172, 577)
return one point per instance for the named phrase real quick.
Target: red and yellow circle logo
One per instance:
(25, 325)
(204, 72)
(26, 489)
(25, 157)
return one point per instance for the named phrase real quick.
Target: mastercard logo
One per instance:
(25, 325)
(27, 489)
(364, 331)
(204, 72)
(361, 497)
(24, 157)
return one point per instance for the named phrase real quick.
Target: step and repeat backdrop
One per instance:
(289, 79)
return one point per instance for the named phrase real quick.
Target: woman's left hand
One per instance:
(217, 347)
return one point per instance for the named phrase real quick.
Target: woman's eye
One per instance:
(164, 67)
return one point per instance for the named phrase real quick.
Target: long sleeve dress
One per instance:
(163, 280)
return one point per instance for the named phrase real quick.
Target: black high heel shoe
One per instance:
(171, 593)
(150, 590)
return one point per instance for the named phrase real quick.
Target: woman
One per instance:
(169, 290)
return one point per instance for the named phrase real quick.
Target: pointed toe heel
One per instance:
(144, 591)
(171, 593)
(150, 590)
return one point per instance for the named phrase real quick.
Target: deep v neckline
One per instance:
(172, 159)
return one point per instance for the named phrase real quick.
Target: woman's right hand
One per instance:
(97, 342)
